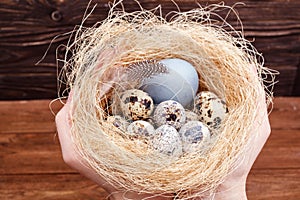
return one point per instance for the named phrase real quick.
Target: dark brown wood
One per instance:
(29, 26)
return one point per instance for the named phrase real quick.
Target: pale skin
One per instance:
(233, 188)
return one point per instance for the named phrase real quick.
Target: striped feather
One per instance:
(138, 71)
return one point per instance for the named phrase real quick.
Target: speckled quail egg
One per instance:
(118, 122)
(171, 113)
(191, 116)
(136, 104)
(211, 109)
(140, 128)
(193, 134)
(166, 140)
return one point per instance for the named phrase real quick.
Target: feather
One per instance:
(133, 76)
(138, 71)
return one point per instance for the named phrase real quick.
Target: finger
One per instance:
(263, 131)
(260, 134)
(70, 97)
(70, 155)
(62, 121)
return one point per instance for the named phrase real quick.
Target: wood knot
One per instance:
(56, 16)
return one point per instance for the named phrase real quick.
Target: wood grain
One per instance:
(28, 27)
(28, 116)
(49, 187)
(40, 153)
(31, 154)
(31, 165)
(36, 117)
(273, 184)
(261, 185)
(285, 114)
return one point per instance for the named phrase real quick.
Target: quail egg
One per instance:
(211, 109)
(140, 128)
(191, 116)
(171, 113)
(193, 134)
(118, 122)
(136, 104)
(166, 140)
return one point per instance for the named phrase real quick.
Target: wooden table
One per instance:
(31, 166)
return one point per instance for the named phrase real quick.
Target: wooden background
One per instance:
(28, 27)
(31, 166)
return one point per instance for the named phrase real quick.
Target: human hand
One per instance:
(73, 159)
(234, 185)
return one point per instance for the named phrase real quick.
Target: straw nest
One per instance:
(226, 63)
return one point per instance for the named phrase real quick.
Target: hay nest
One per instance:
(226, 63)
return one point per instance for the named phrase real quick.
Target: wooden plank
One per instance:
(261, 184)
(49, 187)
(283, 77)
(31, 154)
(296, 89)
(40, 153)
(29, 85)
(274, 184)
(286, 113)
(32, 167)
(28, 27)
(28, 116)
(28, 139)
(35, 116)
(281, 151)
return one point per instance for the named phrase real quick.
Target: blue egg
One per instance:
(180, 83)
